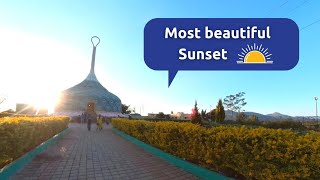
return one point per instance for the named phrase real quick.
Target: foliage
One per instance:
(212, 115)
(253, 118)
(125, 109)
(241, 117)
(165, 120)
(252, 121)
(312, 125)
(195, 116)
(258, 153)
(13, 114)
(219, 112)
(8, 111)
(284, 124)
(19, 135)
(203, 115)
(6, 114)
(235, 102)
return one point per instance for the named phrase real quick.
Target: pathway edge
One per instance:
(7, 171)
(185, 165)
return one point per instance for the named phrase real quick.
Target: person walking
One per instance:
(99, 122)
(89, 119)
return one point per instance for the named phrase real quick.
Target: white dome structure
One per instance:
(75, 99)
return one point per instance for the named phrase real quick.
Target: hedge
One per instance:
(19, 135)
(256, 153)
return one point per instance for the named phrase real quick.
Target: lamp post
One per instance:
(210, 113)
(316, 99)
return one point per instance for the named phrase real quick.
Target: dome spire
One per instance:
(91, 76)
(94, 53)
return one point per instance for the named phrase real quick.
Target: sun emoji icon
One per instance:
(254, 55)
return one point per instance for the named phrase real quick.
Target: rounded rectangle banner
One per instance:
(221, 44)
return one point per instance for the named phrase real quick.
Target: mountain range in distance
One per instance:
(269, 117)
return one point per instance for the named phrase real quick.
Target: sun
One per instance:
(43, 100)
(255, 54)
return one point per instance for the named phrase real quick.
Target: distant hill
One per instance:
(261, 117)
(277, 115)
(270, 117)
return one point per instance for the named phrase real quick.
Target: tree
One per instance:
(195, 116)
(125, 109)
(241, 117)
(253, 118)
(8, 111)
(235, 102)
(212, 115)
(160, 115)
(203, 115)
(220, 115)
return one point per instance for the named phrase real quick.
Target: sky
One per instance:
(45, 48)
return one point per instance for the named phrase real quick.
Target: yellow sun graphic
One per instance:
(254, 54)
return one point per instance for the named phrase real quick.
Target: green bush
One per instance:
(256, 153)
(19, 135)
(280, 124)
(6, 114)
(284, 124)
(312, 125)
(163, 120)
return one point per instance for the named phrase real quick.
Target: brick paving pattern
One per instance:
(98, 155)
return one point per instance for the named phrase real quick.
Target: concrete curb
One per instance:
(185, 165)
(10, 169)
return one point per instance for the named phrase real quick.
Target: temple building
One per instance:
(77, 99)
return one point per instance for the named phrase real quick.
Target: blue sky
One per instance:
(46, 48)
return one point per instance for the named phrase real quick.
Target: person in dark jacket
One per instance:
(89, 120)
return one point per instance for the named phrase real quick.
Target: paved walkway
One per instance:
(98, 155)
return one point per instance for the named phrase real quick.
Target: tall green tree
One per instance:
(253, 118)
(212, 115)
(195, 116)
(203, 115)
(241, 117)
(220, 115)
(125, 109)
(235, 102)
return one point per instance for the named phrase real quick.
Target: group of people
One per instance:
(89, 118)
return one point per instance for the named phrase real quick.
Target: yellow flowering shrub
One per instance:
(19, 135)
(258, 153)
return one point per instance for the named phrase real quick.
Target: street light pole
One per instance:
(316, 98)
(210, 113)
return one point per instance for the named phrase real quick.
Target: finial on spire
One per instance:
(94, 53)
(95, 37)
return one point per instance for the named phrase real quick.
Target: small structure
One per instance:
(152, 115)
(25, 109)
(30, 109)
(180, 116)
